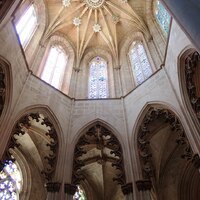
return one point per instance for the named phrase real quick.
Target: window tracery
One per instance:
(27, 25)
(54, 68)
(139, 62)
(10, 181)
(162, 17)
(98, 80)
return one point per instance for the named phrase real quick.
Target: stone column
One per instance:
(144, 187)
(52, 190)
(70, 190)
(187, 14)
(118, 81)
(127, 190)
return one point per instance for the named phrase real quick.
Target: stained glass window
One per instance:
(139, 62)
(26, 25)
(98, 81)
(80, 194)
(162, 17)
(10, 181)
(54, 68)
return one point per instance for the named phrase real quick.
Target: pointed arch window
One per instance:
(162, 17)
(54, 67)
(27, 25)
(98, 79)
(10, 181)
(139, 62)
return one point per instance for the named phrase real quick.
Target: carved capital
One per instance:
(76, 69)
(127, 188)
(117, 67)
(53, 186)
(143, 185)
(70, 188)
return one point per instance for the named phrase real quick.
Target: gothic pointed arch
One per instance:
(128, 60)
(5, 87)
(41, 21)
(35, 137)
(162, 17)
(98, 151)
(189, 69)
(83, 76)
(56, 62)
(164, 153)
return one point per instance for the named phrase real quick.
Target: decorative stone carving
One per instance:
(96, 28)
(93, 4)
(66, 3)
(102, 138)
(116, 19)
(127, 188)
(191, 64)
(145, 134)
(77, 21)
(143, 185)
(22, 127)
(53, 187)
(2, 89)
(70, 188)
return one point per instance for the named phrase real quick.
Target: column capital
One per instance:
(70, 188)
(76, 69)
(118, 67)
(53, 186)
(143, 185)
(127, 188)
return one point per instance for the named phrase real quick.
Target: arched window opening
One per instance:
(10, 181)
(98, 79)
(54, 68)
(80, 194)
(162, 17)
(139, 62)
(27, 25)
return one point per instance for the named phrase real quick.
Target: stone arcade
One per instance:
(99, 100)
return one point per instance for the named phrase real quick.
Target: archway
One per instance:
(190, 82)
(34, 136)
(166, 157)
(98, 165)
(5, 86)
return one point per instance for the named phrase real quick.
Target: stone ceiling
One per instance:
(91, 23)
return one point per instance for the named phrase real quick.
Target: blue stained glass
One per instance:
(98, 83)
(10, 181)
(139, 63)
(162, 17)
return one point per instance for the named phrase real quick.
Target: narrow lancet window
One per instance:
(163, 17)
(27, 25)
(139, 62)
(98, 79)
(55, 65)
(10, 181)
